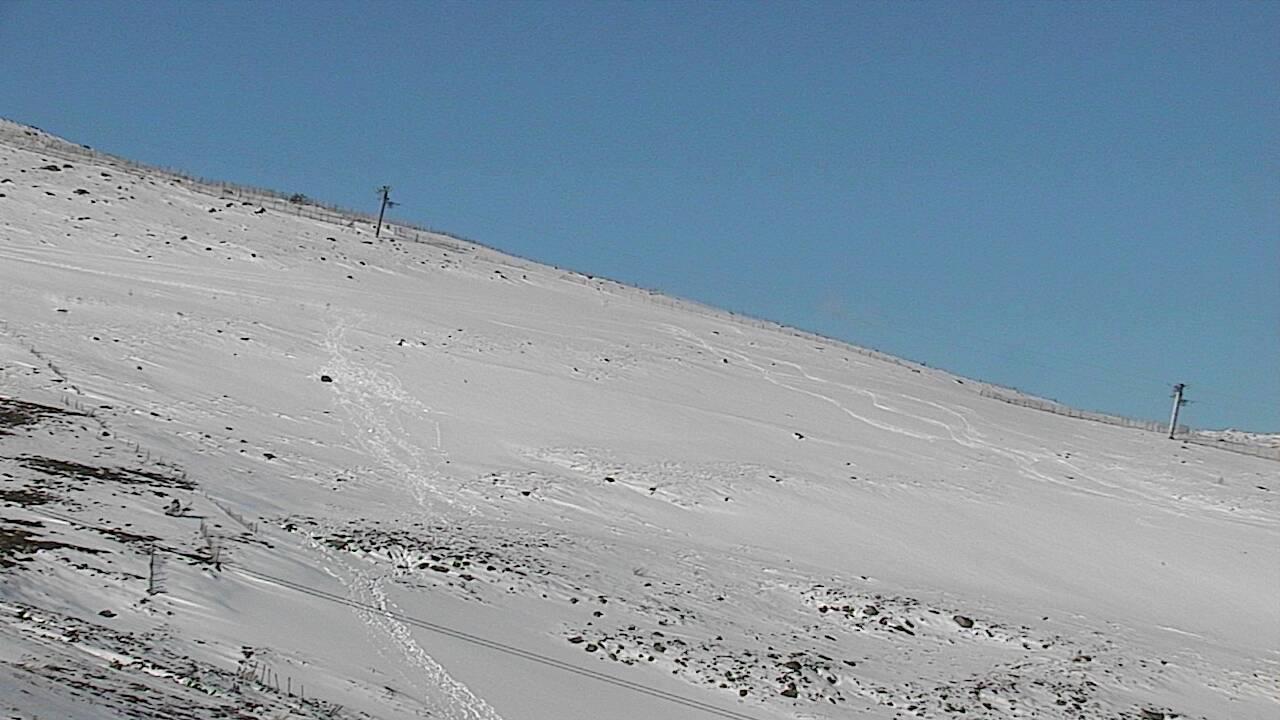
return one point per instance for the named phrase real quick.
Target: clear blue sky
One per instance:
(1078, 199)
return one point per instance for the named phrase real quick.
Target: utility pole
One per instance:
(385, 191)
(1178, 402)
(153, 573)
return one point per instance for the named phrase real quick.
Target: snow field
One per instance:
(759, 522)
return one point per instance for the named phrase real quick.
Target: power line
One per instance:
(1048, 360)
(447, 631)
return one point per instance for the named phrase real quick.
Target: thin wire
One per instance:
(973, 341)
(444, 630)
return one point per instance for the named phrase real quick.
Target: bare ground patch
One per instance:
(18, 543)
(71, 470)
(16, 413)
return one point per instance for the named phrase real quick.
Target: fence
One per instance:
(1262, 451)
(1181, 432)
(296, 204)
(293, 203)
(1014, 398)
(302, 206)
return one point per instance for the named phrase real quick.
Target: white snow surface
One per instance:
(530, 494)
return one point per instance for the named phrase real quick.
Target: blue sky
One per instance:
(1078, 199)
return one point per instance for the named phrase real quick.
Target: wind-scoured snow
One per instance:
(415, 477)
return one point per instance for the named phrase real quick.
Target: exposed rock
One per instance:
(962, 621)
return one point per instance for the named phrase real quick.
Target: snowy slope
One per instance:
(425, 479)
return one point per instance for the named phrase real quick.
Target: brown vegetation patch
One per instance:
(89, 473)
(26, 497)
(15, 541)
(19, 413)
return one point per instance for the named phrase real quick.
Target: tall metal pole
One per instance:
(1178, 402)
(386, 198)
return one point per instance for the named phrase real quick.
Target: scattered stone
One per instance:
(871, 610)
(576, 640)
(326, 378)
(111, 614)
(962, 621)
(1148, 714)
(790, 691)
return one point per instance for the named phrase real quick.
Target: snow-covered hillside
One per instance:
(425, 479)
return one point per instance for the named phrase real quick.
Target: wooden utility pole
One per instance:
(153, 573)
(1178, 402)
(385, 191)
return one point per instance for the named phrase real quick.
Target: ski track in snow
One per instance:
(26, 257)
(965, 436)
(446, 697)
(370, 399)
(664, 584)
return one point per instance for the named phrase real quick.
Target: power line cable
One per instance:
(973, 341)
(981, 343)
(441, 629)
